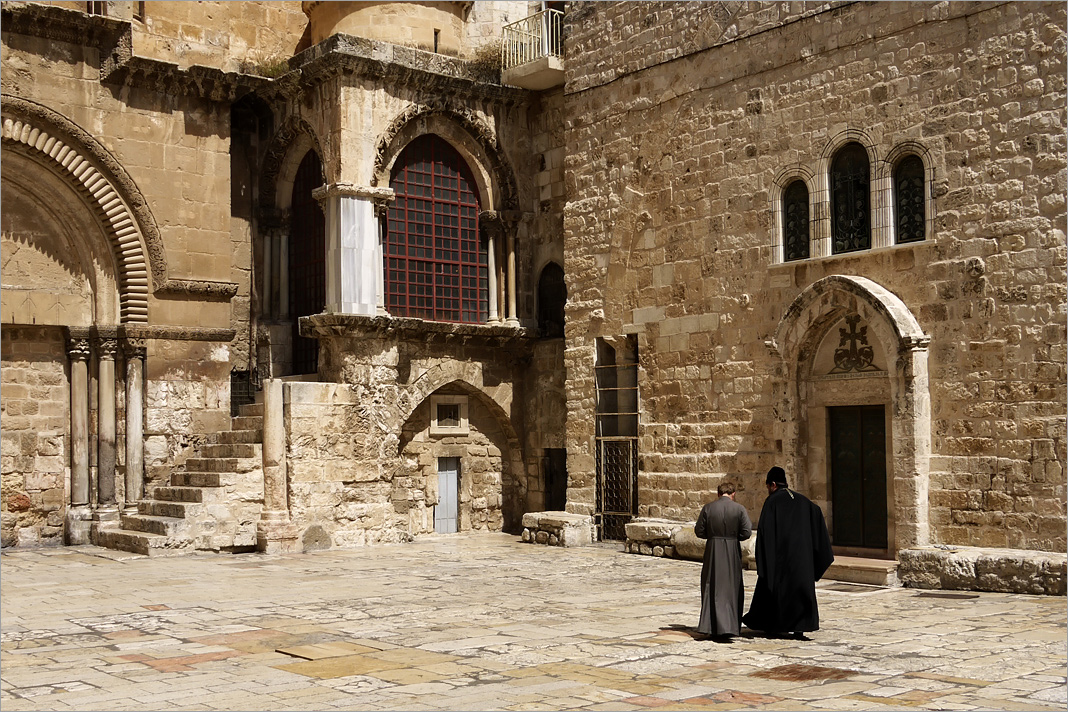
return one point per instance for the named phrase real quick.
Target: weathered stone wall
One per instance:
(36, 429)
(671, 167)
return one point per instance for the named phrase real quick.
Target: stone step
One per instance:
(238, 436)
(222, 464)
(196, 479)
(253, 409)
(164, 526)
(178, 494)
(210, 450)
(143, 543)
(247, 422)
(176, 510)
(854, 569)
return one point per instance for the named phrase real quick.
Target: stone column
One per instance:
(107, 508)
(79, 513)
(135, 441)
(510, 286)
(491, 223)
(353, 247)
(276, 533)
(382, 215)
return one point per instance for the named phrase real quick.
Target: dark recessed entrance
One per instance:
(858, 475)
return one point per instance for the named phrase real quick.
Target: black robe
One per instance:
(723, 524)
(793, 550)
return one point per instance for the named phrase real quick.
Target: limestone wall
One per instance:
(34, 401)
(671, 168)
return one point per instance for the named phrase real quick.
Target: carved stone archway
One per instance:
(799, 333)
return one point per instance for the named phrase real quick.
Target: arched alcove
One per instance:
(804, 401)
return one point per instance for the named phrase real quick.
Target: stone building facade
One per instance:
(292, 275)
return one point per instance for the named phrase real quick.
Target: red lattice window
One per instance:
(436, 266)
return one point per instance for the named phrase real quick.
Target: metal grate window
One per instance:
(851, 199)
(436, 264)
(910, 210)
(616, 373)
(795, 220)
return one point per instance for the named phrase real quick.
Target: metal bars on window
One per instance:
(436, 264)
(910, 210)
(851, 199)
(616, 374)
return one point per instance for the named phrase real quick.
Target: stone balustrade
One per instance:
(558, 529)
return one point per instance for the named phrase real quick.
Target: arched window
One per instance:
(910, 210)
(435, 259)
(552, 295)
(795, 221)
(307, 260)
(850, 199)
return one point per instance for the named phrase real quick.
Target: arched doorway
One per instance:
(848, 343)
(307, 260)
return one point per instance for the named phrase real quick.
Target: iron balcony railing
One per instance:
(534, 37)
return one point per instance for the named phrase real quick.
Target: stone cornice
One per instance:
(59, 24)
(197, 81)
(203, 289)
(354, 191)
(130, 332)
(353, 326)
(436, 74)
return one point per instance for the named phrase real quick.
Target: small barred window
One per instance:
(910, 213)
(850, 199)
(795, 221)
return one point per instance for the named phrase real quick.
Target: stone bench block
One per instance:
(558, 529)
(984, 569)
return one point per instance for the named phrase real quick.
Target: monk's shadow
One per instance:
(721, 639)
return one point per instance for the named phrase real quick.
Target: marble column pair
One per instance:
(502, 286)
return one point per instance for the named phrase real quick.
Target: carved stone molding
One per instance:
(107, 348)
(202, 289)
(78, 349)
(385, 195)
(275, 156)
(134, 347)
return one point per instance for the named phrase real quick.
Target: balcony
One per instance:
(532, 56)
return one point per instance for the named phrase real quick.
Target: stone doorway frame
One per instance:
(797, 337)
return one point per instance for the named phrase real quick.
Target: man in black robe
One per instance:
(793, 550)
(723, 524)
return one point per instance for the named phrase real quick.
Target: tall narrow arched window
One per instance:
(795, 221)
(552, 295)
(307, 260)
(850, 199)
(435, 259)
(910, 209)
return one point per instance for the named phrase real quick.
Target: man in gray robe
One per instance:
(723, 524)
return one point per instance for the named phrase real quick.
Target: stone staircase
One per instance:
(213, 504)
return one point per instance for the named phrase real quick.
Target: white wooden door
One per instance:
(445, 513)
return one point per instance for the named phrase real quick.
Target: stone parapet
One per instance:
(984, 569)
(558, 529)
(675, 540)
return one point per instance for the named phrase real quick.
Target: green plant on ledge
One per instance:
(485, 64)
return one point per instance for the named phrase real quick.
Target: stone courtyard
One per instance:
(482, 621)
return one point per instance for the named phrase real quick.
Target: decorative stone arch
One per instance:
(287, 147)
(886, 177)
(778, 185)
(469, 135)
(799, 333)
(120, 209)
(497, 400)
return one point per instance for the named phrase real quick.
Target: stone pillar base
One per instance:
(558, 529)
(77, 525)
(276, 534)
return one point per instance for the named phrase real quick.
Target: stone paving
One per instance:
(485, 622)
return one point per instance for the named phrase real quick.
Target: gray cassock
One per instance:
(723, 524)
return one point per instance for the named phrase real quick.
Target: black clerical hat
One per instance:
(776, 475)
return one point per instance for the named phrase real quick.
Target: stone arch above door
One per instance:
(50, 139)
(803, 327)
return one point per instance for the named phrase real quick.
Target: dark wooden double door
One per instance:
(858, 476)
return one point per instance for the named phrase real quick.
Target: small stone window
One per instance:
(910, 208)
(795, 221)
(448, 415)
(552, 296)
(850, 199)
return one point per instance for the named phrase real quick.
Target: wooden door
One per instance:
(858, 475)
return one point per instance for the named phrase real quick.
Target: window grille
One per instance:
(242, 390)
(850, 199)
(96, 8)
(795, 220)
(436, 263)
(910, 209)
(616, 374)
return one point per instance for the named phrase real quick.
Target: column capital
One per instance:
(353, 191)
(108, 347)
(78, 348)
(134, 347)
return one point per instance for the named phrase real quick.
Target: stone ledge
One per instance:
(558, 529)
(981, 569)
(675, 540)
